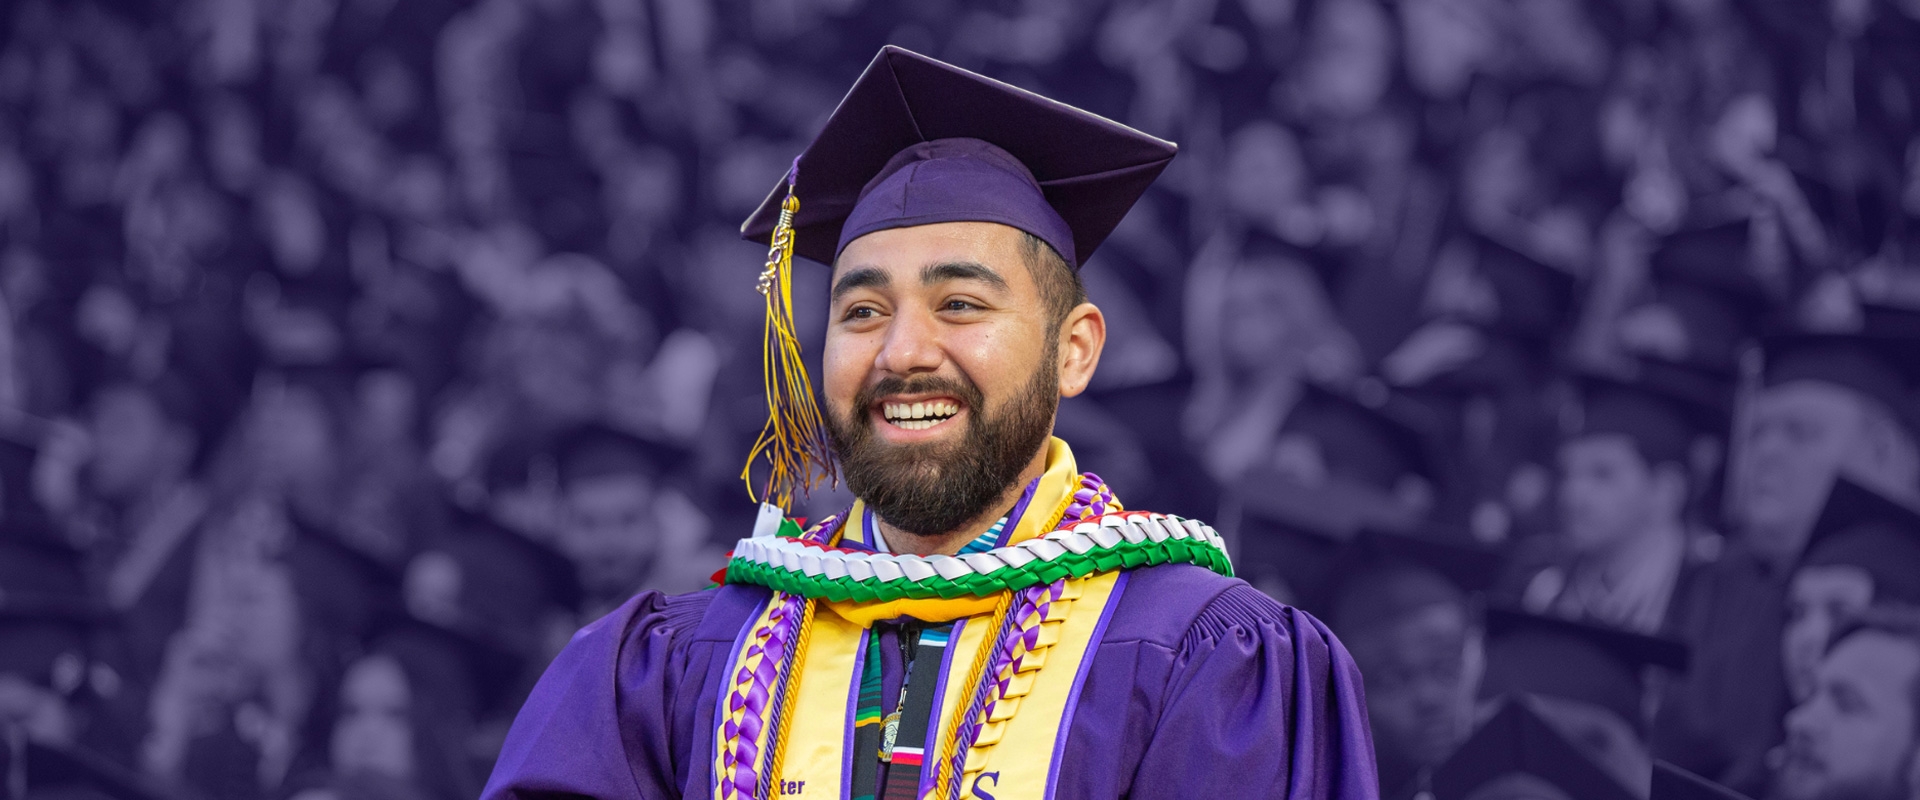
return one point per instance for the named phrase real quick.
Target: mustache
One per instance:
(962, 388)
(932, 487)
(1798, 752)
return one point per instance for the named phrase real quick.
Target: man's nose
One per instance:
(912, 345)
(1799, 721)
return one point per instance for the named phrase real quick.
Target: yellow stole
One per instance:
(1021, 730)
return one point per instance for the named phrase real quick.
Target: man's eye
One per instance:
(960, 305)
(1848, 701)
(860, 312)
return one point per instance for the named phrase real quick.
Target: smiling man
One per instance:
(985, 621)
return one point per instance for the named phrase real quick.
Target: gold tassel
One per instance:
(794, 440)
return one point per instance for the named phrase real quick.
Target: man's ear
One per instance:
(1082, 336)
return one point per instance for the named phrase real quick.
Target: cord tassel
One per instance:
(794, 440)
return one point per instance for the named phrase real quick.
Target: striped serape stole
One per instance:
(866, 725)
(869, 718)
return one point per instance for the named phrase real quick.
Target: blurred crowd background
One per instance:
(353, 353)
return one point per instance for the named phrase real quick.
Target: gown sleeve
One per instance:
(1262, 701)
(597, 725)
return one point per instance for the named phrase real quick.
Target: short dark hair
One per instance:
(1060, 286)
(1898, 620)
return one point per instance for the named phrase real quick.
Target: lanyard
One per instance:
(900, 737)
(916, 712)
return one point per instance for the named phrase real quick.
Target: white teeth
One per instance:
(902, 414)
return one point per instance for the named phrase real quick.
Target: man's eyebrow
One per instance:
(861, 278)
(962, 271)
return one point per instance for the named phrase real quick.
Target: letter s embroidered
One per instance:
(981, 795)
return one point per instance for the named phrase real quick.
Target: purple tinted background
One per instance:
(297, 297)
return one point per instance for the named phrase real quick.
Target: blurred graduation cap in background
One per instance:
(342, 590)
(1339, 465)
(46, 616)
(1514, 305)
(1383, 576)
(50, 772)
(1666, 423)
(1517, 754)
(1867, 530)
(1673, 783)
(1707, 308)
(1342, 462)
(1532, 299)
(20, 511)
(1477, 370)
(491, 583)
(1599, 667)
(1585, 694)
(456, 672)
(1888, 319)
(1707, 301)
(1876, 364)
(1407, 605)
(466, 627)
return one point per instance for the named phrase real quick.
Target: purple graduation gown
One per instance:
(1201, 686)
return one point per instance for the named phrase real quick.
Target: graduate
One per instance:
(1519, 754)
(1339, 466)
(1673, 783)
(986, 620)
(1563, 713)
(1857, 735)
(1410, 608)
(1829, 405)
(1627, 479)
(1865, 551)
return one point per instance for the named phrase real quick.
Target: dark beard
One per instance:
(932, 489)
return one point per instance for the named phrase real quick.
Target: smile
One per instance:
(919, 416)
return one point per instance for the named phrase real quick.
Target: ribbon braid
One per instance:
(1037, 582)
(1018, 652)
(751, 704)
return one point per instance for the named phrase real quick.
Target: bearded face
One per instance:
(931, 487)
(943, 368)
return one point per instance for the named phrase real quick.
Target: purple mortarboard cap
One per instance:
(1517, 750)
(1601, 666)
(1882, 367)
(917, 141)
(1384, 576)
(51, 770)
(1664, 422)
(1673, 783)
(1864, 529)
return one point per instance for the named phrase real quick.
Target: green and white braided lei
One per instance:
(1124, 540)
